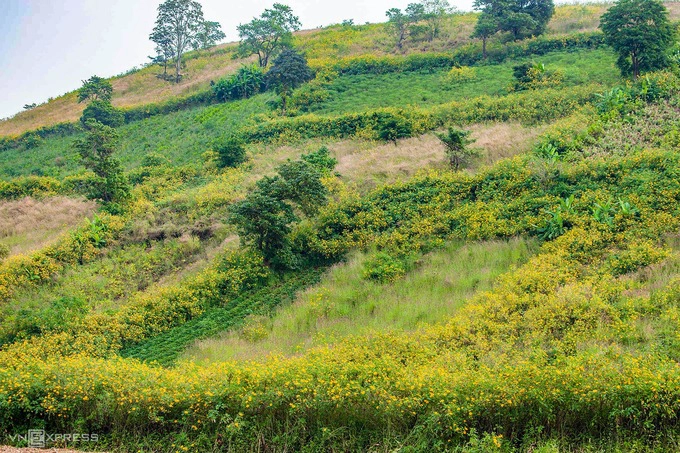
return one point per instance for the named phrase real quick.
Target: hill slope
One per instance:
(143, 87)
(528, 302)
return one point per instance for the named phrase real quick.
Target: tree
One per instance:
(400, 23)
(434, 12)
(96, 152)
(268, 34)
(164, 48)
(289, 71)
(95, 89)
(103, 112)
(640, 32)
(263, 220)
(209, 34)
(486, 26)
(522, 18)
(456, 142)
(179, 23)
(264, 217)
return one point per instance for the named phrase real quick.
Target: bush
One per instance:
(383, 268)
(460, 75)
(231, 152)
(103, 112)
(4, 252)
(246, 82)
(30, 186)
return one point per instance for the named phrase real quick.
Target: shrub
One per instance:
(383, 267)
(321, 159)
(231, 152)
(103, 112)
(4, 252)
(457, 149)
(460, 75)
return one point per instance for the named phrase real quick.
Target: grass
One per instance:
(344, 304)
(181, 137)
(29, 224)
(167, 347)
(361, 92)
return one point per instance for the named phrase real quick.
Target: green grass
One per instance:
(361, 92)
(181, 137)
(345, 304)
(167, 347)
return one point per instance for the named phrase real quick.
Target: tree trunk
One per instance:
(283, 104)
(636, 66)
(484, 47)
(178, 67)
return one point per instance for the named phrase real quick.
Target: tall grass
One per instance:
(345, 304)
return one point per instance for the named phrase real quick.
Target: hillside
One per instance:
(339, 276)
(143, 87)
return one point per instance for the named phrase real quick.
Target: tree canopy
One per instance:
(640, 32)
(289, 71)
(522, 18)
(95, 89)
(268, 34)
(179, 26)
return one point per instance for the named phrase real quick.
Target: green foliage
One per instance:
(95, 89)
(391, 128)
(289, 71)
(246, 82)
(457, 150)
(486, 26)
(641, 33)
(268, 34)
(104, 113)
(30, 186)
(521, 19)
(321, 160)
(383, 267)
(96, 151)
(4, 252)
(209, 33)
(231, 152)
(179, 26)
(265, 216)
(400, 24)
(531, 76)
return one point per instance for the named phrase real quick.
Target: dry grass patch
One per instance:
(367, 164)
(31, 224)
(499, 141)
(132, 90)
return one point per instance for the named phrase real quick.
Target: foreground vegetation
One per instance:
(576, 340)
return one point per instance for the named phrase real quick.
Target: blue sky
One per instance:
(48, 46)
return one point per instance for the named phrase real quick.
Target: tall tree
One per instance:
(95, 89)
(179, 22)
(522, 18)
(268, 34)
(434, 13)
(640, 32)
(209, 34)
(399, 23)
(289, 71)
(165, 50)
(96, 152)
(486, 27)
